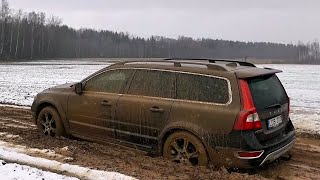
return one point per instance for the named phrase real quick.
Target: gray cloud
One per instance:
(246, 20)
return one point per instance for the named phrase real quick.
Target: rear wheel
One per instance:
(184, 147)
(49, 122)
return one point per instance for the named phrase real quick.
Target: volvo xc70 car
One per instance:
(229, 113)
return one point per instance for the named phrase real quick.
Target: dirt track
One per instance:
(305, 162)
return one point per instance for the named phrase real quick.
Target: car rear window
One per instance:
(267, 91)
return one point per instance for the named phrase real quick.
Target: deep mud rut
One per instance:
(17, 127)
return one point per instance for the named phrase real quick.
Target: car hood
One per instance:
(62, 87)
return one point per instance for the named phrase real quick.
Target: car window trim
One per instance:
(175, 98)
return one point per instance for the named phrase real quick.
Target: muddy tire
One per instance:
(184, 147)
(49, 122)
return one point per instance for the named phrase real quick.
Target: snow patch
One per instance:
(55, 166)
(14, 171)
(15, 106)
(31, 151)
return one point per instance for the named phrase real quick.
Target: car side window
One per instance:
(202, 88)
(153, 83)
(111, 81)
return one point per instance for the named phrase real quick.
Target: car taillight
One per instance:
(248, 118)
(249, 154)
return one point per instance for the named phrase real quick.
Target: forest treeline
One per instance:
(34, 35)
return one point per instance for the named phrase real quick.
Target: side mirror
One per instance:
(78, 88)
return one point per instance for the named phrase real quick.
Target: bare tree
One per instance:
(5, 11)
(315, 50)
(12, 21)
(42, 21)
(32, 19)
(18, 19)
(53, 22)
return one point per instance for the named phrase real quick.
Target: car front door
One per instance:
(91, 114)
(145, 108)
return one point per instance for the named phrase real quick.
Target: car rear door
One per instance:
(145, 108)
(272, 104)
(92, 113)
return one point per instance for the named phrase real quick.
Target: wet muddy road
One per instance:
(17, 128)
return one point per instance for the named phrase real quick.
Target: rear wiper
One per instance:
(274, 106)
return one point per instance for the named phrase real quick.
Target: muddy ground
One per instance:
(305, 162)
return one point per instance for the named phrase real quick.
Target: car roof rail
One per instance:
(231, 62)
(210, 66)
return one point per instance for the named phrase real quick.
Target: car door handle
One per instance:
(105, 103)
(156, 109)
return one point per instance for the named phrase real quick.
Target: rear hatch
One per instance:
(272, 104)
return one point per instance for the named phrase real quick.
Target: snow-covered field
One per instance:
(20, 82)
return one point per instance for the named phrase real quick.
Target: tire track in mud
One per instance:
(305, 162)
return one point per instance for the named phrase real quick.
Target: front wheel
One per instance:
(49, 122)
(184, 147)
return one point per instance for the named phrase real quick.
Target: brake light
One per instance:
(249, 154)
(248, 118)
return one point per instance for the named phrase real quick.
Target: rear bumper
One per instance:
(276, 154)
(247, 142)
(272, 151)
(225, 156)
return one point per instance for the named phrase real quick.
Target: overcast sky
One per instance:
(285, 21)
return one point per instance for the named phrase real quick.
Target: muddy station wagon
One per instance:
(229, 113)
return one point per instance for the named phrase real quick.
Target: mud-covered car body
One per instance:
(238, 111)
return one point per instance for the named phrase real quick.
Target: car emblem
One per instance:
(276, 111)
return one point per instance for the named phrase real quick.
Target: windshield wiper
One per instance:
(276, 105)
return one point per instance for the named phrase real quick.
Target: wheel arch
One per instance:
(62, 114)
(187, 127)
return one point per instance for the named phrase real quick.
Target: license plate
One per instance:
(274, 122)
